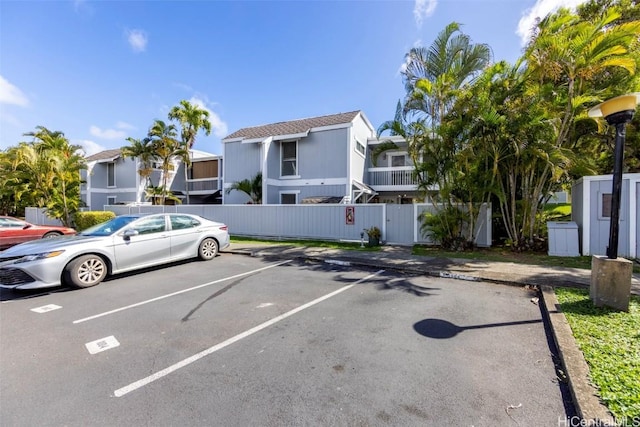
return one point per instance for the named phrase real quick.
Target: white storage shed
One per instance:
(591, 210)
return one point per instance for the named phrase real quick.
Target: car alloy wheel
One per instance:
(208, 249)
(85, 271)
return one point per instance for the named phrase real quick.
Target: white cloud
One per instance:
(89, 147)
(218, 127)
(539, 10)
(423, 9)
(82, 7)
(107, 133)
(125, 126)
(405, 64)
(10, 94)
(120, 132)
(183, 86)
(137, 40)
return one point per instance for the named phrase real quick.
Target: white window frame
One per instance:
(297, 164)
(604, 198)
(296, 193)
(392, 154)
(359, 144)
(112, 166)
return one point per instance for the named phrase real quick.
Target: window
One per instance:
(397, 161)
(154, 224)
(289, 152)
(180, 222)
(605, 209)
(111, 174)
(111, 200)
(288, 198)
(360, 148)
(11, 223)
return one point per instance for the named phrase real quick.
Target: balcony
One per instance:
(204, 185)
(392, 178)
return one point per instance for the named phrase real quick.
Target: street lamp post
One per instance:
(610, 275)
(617, 111)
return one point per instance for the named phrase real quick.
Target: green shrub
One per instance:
(84, 220)
(446, 227)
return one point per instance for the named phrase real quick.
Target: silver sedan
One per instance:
(125, 243)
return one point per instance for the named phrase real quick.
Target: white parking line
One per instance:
(106, 313)
(153, 377)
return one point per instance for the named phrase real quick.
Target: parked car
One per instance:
(124, 243)
(14, 231)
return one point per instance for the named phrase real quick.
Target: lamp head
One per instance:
(617, 110)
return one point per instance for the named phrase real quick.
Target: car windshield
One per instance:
(109, 227)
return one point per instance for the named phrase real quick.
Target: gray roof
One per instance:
(105, 155)
(292, 127)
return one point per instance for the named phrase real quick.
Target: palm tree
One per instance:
(142, 150)
(567, 55)
(434, 74)
(46, 173)
(192, 119)
(167, 149)
(251, 187)
(65, 198)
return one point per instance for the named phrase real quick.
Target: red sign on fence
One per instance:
(350, 215)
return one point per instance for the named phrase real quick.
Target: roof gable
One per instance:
(292, 127)
(105, 155)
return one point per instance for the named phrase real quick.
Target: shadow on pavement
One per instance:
(442, 329)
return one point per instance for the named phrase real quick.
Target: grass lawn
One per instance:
(506, 255)
(310, 243)
(610, 342)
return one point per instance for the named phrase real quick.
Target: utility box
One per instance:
(563, 238)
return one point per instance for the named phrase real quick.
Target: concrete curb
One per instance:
(587, 404)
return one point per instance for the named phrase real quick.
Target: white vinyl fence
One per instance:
(399, 223)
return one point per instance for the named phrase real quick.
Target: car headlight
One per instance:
(35, 257)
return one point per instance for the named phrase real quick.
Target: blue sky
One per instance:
(101, 71)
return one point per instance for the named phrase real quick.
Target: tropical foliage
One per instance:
(251, 187)
(143, 150)
(192, 119)
(44, 173)
(513, 134)
(434, 78)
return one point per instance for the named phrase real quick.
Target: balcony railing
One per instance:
(204, 184)
(401, 176)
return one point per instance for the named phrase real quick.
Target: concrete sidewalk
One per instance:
(399, 258)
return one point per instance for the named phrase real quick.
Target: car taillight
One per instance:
(224, 227)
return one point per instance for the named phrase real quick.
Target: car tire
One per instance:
(51, 234)
(208, 249)
(85, 271)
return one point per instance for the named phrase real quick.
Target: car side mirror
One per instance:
(128, 233)
(27, 226)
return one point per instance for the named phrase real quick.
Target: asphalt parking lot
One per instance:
(246, 341)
